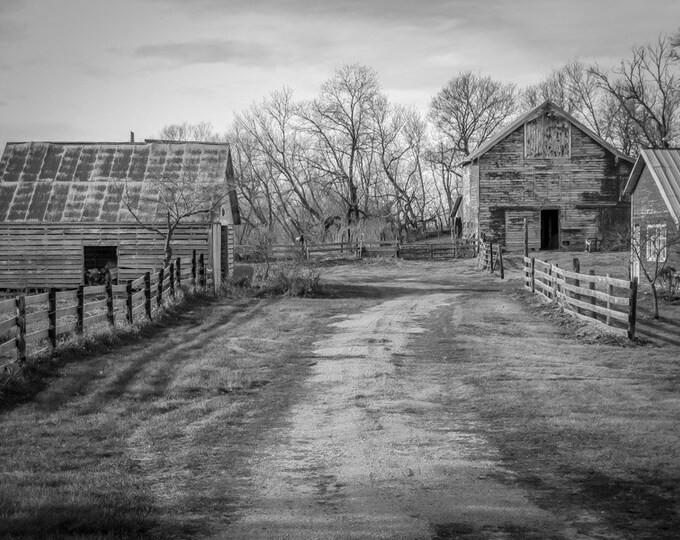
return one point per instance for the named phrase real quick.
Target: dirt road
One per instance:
(374, 448)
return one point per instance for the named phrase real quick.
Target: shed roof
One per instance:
(63, 182)
(534, 113)
(664, 166)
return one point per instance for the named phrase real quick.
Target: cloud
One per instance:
(206, 52)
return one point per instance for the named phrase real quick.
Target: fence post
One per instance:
(159, 290)
(491, 257)
(610, 292)
(577, 282)
(500, 261)
(431, 251)
(201, 271)
(178, 273)
(109, 302)
(526, 238)
(52, 316)
(632, 310)
(128, 301)
(193, 268)
(80, 310)
(171, 268)
(591, 286)
(533, 275)
(21, 328)
(147, 294)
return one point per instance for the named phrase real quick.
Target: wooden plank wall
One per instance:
(44, 256)
(580, 186)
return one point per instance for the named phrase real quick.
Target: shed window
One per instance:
(656, 242)
(100, 261)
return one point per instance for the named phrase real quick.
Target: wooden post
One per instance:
(577, 282)
(491, 257)
(201, 271)
(80, 311)
(109, 303)
(147, 294)
(178, 272)
(431, 251)
(500, 261)
(159, 290)
(610, 292)
(171, 268)
(591, 286)
(21, 328)
(526, 238)
(52, 316)
(128, 301)
(533, 275)
(193, 268)
(632, 310)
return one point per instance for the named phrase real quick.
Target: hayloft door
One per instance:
(550, 229)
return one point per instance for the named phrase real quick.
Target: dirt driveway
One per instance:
(382, 443)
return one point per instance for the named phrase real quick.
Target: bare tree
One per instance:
(340, 122)
(201, 131)
(176, 201)
(651, 251)
(470, 108)
(647, 89)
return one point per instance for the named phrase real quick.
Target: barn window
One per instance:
(548, 136)
(100, 261)
(656, 242)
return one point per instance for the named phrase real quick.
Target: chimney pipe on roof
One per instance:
(132, 136)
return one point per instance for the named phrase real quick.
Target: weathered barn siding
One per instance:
(40, 256)
(469, 209)
(547, 163)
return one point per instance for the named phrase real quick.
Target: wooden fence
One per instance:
(607, 300)
(354, 251)
(34, 323)
(490, 258)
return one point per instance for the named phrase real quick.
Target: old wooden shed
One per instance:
(654, 191)
(548, 168)
(69, 207)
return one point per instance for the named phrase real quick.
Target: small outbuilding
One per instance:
(68, 208)
(654, 191)
(552, 171)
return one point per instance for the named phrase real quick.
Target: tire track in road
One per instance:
(356, 457)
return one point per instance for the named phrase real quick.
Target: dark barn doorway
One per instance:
(550, 229)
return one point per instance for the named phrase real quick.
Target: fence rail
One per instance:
(490, 258)
(34, 323)
(607, 300)
(343, 250)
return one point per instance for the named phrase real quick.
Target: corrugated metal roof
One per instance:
(83, 182)
(664, 164)
(537, 111)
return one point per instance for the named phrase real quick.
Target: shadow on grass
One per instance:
(23, 383)
(347, 291)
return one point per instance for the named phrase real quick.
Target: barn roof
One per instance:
(664, 166)
(535, 113)
(82, 182)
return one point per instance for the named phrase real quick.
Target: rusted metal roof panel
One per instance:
(81, 182)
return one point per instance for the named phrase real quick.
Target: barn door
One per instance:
(550, 229)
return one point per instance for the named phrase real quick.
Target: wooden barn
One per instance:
(547, 168)
(654, 191)
(67, 208)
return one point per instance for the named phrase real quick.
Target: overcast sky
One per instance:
(95, 70)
